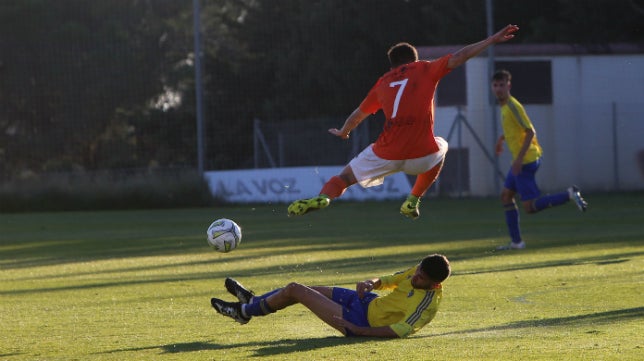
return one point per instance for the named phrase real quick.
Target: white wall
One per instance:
(576, 131)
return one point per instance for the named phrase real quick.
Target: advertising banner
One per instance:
(284, 185)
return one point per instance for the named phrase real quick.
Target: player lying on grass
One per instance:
(407, 143)
(411, 304)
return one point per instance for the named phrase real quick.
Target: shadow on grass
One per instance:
(287, 346)
(265, 348)
(596, 260)
(44, 239)
(10, 354)
(341, 265)
(576, 321)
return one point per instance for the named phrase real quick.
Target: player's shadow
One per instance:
(578, 320)
(596, 260)
(298, 345)
(267, 348)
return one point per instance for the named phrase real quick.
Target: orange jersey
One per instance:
(406, 96)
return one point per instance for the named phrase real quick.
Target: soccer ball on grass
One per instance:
(224, 235)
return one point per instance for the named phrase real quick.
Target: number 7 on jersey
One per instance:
(402, 84)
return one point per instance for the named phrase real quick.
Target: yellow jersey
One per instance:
(515, 121)
(405, 309)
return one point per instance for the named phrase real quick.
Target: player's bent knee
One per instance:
(293, 289)
(348, 178)
(298, 292)
(529, 207)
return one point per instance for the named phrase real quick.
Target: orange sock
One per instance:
(425, 180)
(334, 187)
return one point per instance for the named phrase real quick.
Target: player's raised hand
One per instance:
(505, 34)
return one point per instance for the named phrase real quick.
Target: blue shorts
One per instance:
(354, 308)
(524, 183)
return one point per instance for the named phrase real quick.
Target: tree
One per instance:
(72, 72)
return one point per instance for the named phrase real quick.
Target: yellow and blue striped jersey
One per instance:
(515, 121)
(404, 309)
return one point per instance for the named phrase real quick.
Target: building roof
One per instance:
(429, 52)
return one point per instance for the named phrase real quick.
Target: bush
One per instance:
(106, 190)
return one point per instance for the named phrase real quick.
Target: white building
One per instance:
(585, 103)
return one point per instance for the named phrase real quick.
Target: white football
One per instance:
(224, 235)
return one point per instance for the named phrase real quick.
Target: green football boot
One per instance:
(304, 206)
(409, 208)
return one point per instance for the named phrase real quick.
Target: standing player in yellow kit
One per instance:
(521, 138)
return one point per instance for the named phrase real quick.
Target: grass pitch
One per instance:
(136, 285)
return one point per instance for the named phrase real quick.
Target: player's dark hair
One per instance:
(402, 53)
(502, 75)
(436, 267)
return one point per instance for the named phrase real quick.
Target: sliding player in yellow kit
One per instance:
(412, 302)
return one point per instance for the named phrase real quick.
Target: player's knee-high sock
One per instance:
(259, 306)
(425, 180)
(334, 187)
(512, 220)
(550, 200)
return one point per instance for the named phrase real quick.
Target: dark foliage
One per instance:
(110, 84)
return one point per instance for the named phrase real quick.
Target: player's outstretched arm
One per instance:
(351, 123)
(472, 50)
